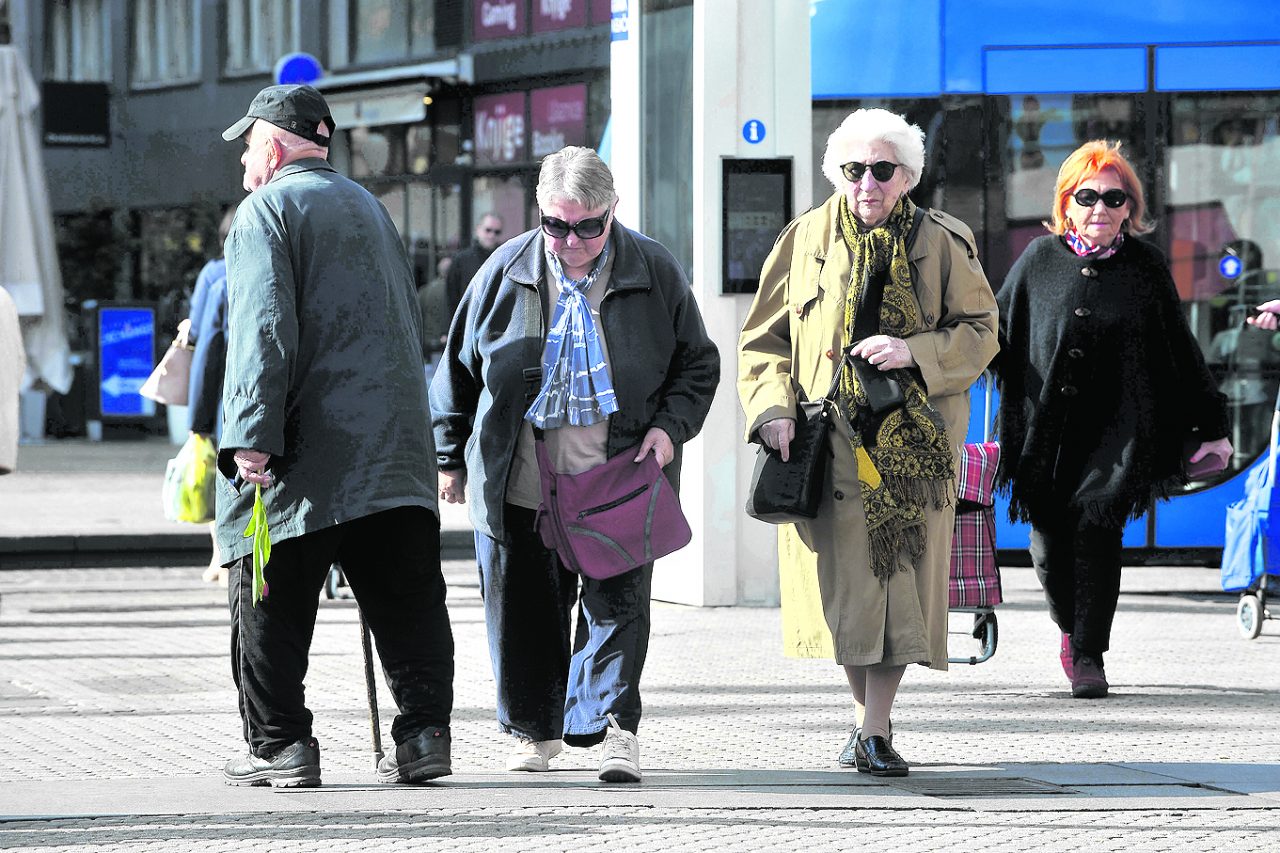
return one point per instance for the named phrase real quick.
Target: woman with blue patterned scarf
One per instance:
(589, 332)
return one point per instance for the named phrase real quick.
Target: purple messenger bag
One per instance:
(611, 519)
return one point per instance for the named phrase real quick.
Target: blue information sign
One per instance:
(1230, 266)
(126, 353)
(753, 131)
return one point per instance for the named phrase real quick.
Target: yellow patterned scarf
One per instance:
(904, 456)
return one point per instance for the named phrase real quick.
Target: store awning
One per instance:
(455, 70)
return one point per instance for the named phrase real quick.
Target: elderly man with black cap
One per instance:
(325, 409)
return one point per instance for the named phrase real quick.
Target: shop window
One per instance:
(165, 49)
(388, 30)
(173, 245)
(503, 195)
(376, 151)
(77, 45)
(259, 32)
(1223, 199)
(418, 149)
(446, 118)
(666, 42)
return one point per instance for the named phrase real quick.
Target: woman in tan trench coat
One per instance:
(877, 556)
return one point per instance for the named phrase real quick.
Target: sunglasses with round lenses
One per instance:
(586, 229)
(882, 171)
(1111, 198)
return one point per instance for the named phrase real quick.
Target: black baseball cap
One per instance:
(297, 109)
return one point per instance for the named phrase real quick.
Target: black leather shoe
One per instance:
(295, 766)
(423, 757)
(848, 755)
(875, 756)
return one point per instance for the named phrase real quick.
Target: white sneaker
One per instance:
(534, 755)
(620, 755)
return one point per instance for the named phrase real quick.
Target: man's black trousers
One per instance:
(392, 563)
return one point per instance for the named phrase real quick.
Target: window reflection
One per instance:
(1224, 198)
(377, 151)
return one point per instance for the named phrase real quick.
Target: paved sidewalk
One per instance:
(73, 500)
(117, 711)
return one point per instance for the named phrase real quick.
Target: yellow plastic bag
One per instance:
(189, 482)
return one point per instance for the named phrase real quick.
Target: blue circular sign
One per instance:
(298, 68)
(753, 131)
(1230, 266)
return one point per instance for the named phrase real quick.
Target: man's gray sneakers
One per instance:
(423, 757)
(295, 766)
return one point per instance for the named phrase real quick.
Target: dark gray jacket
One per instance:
(665, 368)
(324, 359)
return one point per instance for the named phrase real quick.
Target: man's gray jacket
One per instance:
(324, 359)
(665, 368)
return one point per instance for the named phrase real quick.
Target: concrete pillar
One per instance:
(750, 61)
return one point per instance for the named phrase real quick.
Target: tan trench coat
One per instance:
(832, 605)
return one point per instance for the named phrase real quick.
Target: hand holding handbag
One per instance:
(1201, 469)
(169, 382)
(884, 393)
(791, 491)
(612, 518)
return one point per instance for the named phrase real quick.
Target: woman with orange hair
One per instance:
(1101, 388)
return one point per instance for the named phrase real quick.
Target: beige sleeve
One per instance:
(765, 388)
(954, 354)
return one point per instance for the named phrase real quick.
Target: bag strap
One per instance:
(916, 219)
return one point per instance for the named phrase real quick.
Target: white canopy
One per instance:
(28, 259)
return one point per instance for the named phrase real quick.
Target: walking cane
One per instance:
(371, 687)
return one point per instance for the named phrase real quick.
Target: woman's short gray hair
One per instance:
(863, 126)
(576, 174)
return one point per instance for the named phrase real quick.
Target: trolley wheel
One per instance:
(1249, 616)
(332, 581)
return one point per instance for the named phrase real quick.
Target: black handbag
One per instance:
(791, 491)
(884, 393)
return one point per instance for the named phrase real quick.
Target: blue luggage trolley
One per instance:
(1251, 550)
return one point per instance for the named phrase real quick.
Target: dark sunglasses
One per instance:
(882, 171)
(1111, 198)
(493, 230)
(587, 229)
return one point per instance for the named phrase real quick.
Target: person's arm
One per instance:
(1206, 405)
(765, 388)
(455, 391)
(953, 355)
(208, 364)
(694, 370)
(262, 336)
(1268, 316)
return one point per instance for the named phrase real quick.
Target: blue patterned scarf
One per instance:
(576, 389)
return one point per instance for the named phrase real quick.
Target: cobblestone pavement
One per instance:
(117, 711)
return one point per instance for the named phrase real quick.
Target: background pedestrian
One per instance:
(1101, 387)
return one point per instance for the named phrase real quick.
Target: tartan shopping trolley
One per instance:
(974, 586)
(1251, 546)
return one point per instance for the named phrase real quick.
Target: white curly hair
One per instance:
(875, 125)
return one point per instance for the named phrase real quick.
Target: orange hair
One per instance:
(1085, 162)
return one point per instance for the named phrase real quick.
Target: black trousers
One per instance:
(392, 562)
(1079, 567)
